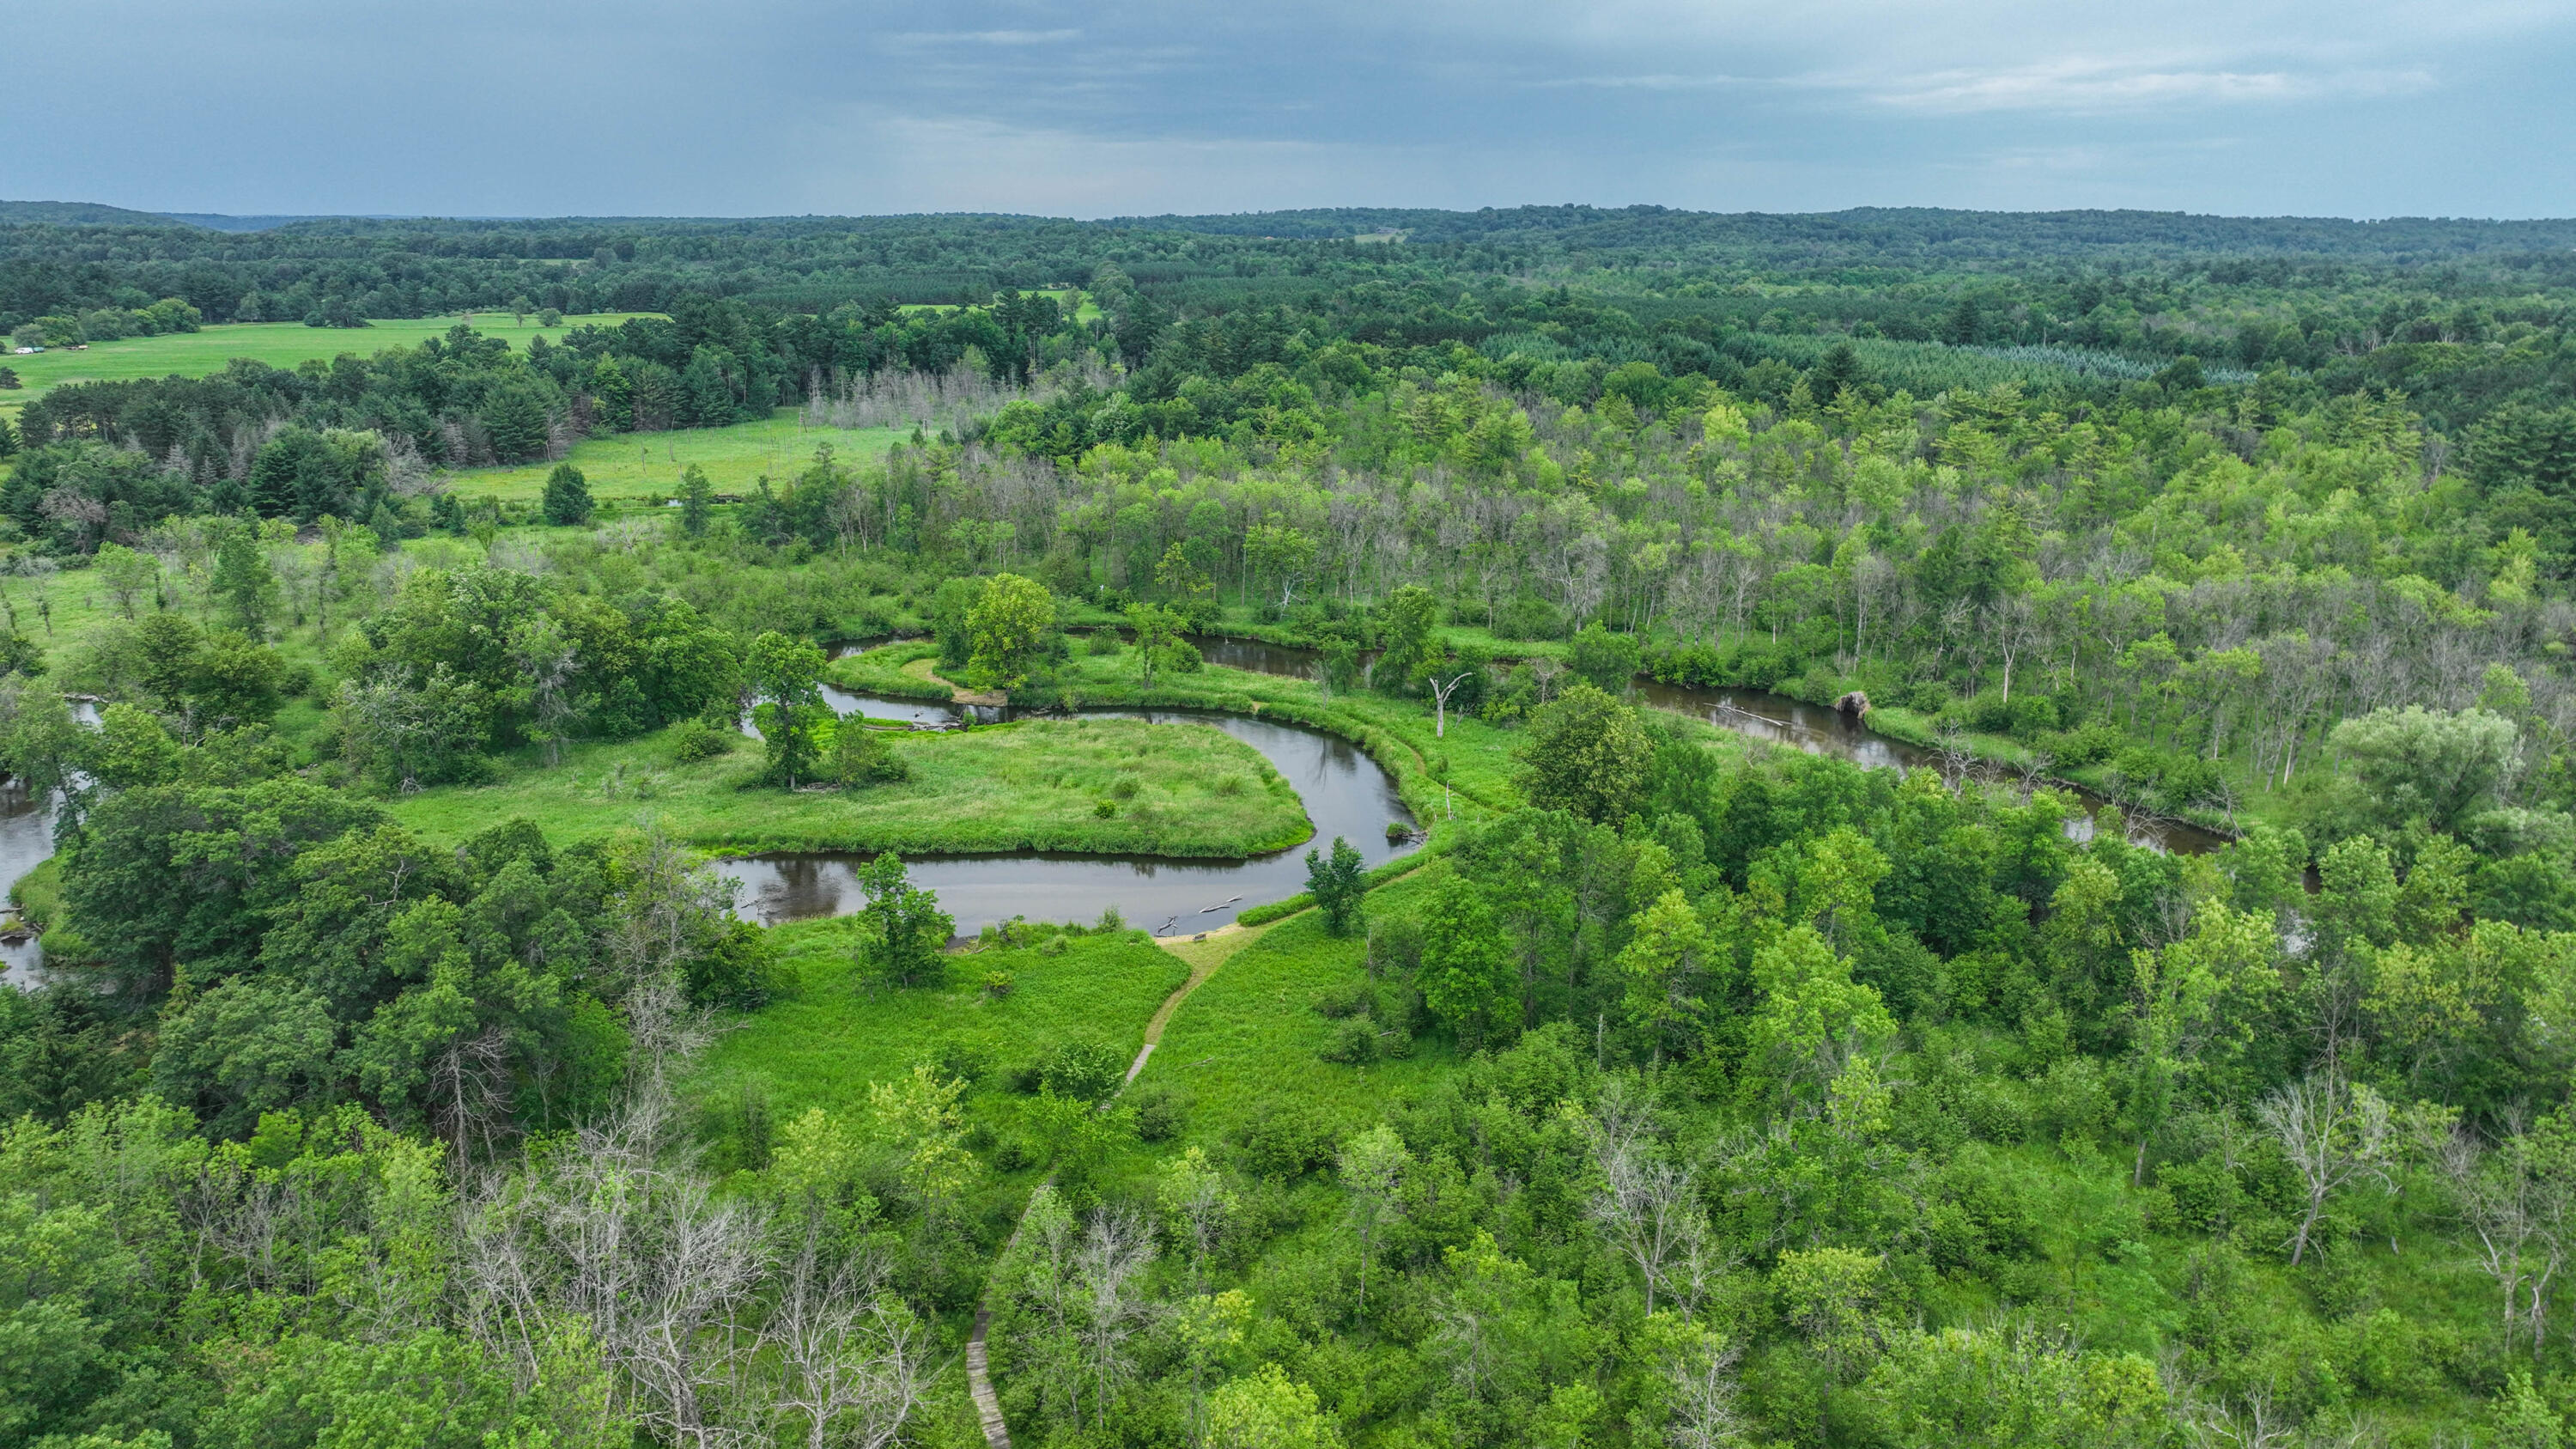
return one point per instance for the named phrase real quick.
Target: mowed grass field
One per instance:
(646, 467)
(279, 344)
(1176, 789)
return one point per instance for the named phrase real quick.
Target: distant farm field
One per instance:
(279, 344)
(631, 467)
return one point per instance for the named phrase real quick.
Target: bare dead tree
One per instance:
(1109, 1266)
(2033, 770)
(852, 1362)
(675, 904)
(1950, 746)
(1704, 1393)
(2518, 1201)
(469, 1083)
(1440, 704)
(2334, 1133)
(1646, 1206)
(620, 1233)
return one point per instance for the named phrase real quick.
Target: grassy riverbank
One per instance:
(1402, 735)
(1101, 786)
(1248, 1044)
(829, 1035)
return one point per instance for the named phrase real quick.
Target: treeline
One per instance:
(2459, 314)
(295, 442)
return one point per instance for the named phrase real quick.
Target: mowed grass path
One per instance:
(646, 467)
(830, 1034)
(1246, 1043)
(279, 344)
(1177, 789)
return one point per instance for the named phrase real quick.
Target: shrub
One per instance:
(698, 740)
(1353, 1042)
(1124, 790)
(2205, 1194)
(1929, 697)
(1288, 1142)
(1529, 617)
(1012, 1154)
(740, 971)
(1159, 1115)
(861, 756)
(962, 1062)
(1087, 1071)
(1342, 1001)
(2089, 745)
(998, 984)
(2025, 716)
(1608, 661)
(1394, 946)
(1105, 643)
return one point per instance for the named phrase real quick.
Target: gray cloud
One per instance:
(2370, 107)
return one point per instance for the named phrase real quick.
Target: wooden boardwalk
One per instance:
(988, 1405)
(1214, 947)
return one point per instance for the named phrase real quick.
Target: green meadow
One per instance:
(279, 344)
(831, 1034)
(1110, 786)
(1248, 1042)
(646, 467)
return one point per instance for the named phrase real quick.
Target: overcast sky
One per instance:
(759, 107)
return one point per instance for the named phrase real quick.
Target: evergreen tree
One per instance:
(567, 498)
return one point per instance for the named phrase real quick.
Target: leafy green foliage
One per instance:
(906, 930)
(1336, 885)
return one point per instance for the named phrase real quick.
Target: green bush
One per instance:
(2088, 745)
(1159, 1114)
(1528, 617)
(1288, 1143)
(1353, 1042)
(2025, 716)
(1084, 1070)
(698, 740)
(1351, 999)
(861, 757)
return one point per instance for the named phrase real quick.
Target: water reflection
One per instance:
(1344, 791)
(1791, 723)
(26, 840)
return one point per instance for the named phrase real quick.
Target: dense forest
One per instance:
(401, 1070)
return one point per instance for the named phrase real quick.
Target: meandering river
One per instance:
(1344, 791)
(1760, 715)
